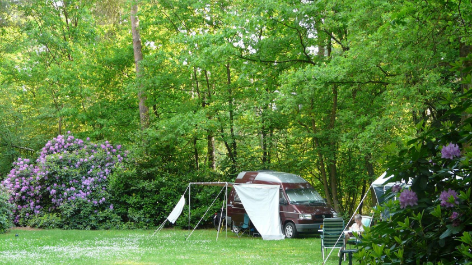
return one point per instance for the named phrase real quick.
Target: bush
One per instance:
(143, 195)
(430, 222)
(67, 186)
(47, 220)
(6, 210)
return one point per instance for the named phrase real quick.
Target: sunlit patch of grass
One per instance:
(170, 246)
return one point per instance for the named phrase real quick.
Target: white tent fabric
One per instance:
(177, 210)
(261, 203)
(381, 180)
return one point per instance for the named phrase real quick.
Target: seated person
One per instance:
(356, 227)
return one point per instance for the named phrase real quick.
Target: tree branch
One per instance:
(336, 40)
(23, 148)
(275, 61)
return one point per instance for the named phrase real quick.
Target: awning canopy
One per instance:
(261, 203)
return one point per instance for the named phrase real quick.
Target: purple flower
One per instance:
(454, 215)
(446, 200)
(450, 151)
(111, 206)
(408, 197)
(396, 188)
(455, 219)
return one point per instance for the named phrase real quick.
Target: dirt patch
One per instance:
(27, 228)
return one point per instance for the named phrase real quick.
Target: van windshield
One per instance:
(304, 196)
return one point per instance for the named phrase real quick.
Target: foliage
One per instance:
(434, 225)
(144, 195)
(6, 210)
(326, 89)
(70, 179)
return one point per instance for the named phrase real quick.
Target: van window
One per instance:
(304, 196)
(282, 199)
(236, 197)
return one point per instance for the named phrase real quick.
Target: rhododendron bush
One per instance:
(429, 221)
(66, 186)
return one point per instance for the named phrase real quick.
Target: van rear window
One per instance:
(236, 197)
(304, 196)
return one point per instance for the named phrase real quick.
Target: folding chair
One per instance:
(332, 231)
(245, 228)
(366, 220)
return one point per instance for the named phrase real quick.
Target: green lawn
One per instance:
(166, 247)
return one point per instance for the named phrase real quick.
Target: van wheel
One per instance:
(290, 230)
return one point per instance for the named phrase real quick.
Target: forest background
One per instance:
(201, 90)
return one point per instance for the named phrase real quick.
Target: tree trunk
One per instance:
(371, 174)
(210, 136)
(211, 150)
(264, 140)
(138, 57)
(316, 143)
(195, 137)
(231, 145)
(195, 152)
(332, 161)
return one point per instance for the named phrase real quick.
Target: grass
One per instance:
(169, 246)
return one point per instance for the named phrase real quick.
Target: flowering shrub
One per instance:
(450, 151)
(431, 222)
(449, 198)
(408, 197)
(70, 179)
(396, 188)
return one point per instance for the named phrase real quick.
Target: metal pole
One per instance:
(189, 205)
(226, 211)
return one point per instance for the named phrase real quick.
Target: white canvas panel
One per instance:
(177, 210)
(261, 203)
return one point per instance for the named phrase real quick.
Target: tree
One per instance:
(138, 57)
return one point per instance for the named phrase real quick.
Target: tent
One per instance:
(260, 201)
(380, 187)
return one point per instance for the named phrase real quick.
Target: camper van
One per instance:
(302, 208)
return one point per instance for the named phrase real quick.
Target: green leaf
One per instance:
(436, 212)
(446, 233)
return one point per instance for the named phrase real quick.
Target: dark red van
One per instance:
(302, 209)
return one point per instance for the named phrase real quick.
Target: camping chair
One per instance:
(332, 235)
(245, 227)
(366, 220)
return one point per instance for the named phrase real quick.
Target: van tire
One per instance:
(290, 231)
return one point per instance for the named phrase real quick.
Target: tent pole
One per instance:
(189, 189)
(209, 207)
(365, 195)
(226, 211)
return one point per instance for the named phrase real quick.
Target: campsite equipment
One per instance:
(380, 187)
(272, 200)
(332, 235)
(300, 208)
